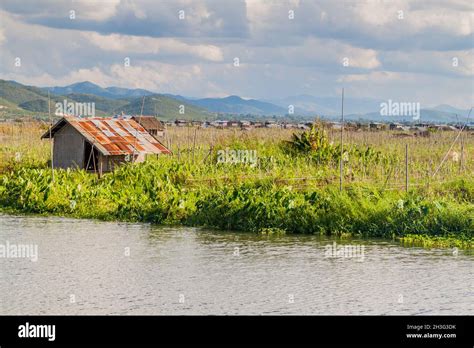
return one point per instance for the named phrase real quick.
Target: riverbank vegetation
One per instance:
(293, 187)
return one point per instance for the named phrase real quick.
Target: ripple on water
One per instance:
(194, 271)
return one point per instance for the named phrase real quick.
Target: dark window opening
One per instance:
(91, 157)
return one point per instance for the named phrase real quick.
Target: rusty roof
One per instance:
(149, 122)
(112, 136)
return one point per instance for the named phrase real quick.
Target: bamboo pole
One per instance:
(100, 166)
(136, 131)
(194, 142)
(406, 167)
(50, 137)
(342, 142)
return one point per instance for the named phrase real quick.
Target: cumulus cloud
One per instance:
(449, 63)
(166, 46)
(2, 36)
(322, 54)
(285, 47)
(179, 18)
(84, 9)
(154, 76)
(371, 24)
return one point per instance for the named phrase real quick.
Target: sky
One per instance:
(403, 50)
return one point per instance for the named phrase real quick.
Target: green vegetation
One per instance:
(156, 192)
(290, 190)
(436, 241)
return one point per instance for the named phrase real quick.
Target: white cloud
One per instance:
(373, 77)
(88, 9)
(312, 52)
(138, 44)
(278, 56)
(455, 63)
(2, 36)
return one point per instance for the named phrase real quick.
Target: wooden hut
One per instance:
(151, 124)
(100, 144)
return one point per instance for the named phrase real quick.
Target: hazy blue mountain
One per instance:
(330, 106)
(426, 115)
(462, 114)
(237, 105)
(367, 109)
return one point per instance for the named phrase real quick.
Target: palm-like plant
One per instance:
(315, 142)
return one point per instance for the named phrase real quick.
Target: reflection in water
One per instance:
(90, 267)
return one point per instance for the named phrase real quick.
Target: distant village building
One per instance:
(220, 124)
(335, 125)
(422, 132)
(423, 125)
(352, 126)
(100, 144)
(271, 124)
(246, 125)
(377, 126)
(289, 125)
(395, 126)
(181, 123)
(151, 124)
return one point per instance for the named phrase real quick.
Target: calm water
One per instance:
(83, 268)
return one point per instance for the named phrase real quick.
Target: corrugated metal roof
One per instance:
(149, 122)
(113, 136)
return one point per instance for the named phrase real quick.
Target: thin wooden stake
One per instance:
(136, 131)
(406, 168)
(50, 137)
(342, 142)
(194, 142)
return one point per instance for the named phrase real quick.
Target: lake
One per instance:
(94, 267)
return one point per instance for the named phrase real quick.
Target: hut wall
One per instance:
(68, 149)
(110, 163)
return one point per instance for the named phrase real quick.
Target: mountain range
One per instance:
(87, 87)
(20, 100)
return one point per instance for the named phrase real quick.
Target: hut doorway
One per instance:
(91, 157)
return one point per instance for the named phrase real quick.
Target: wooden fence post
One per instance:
(341, 168)
(406, 167)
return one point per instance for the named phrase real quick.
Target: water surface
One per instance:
(91, 267)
